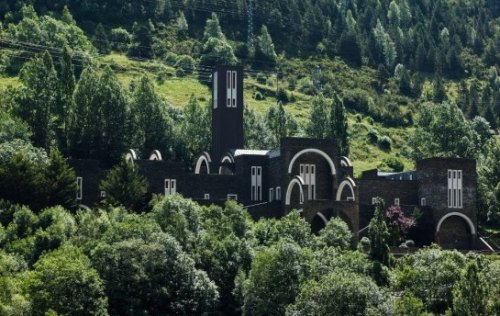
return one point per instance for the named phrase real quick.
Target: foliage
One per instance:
(336, 234)
(443, 131)
(337, 293)
(338, 126)
(378, 234)
(178, 217)
(65, 282)
(59, 182)
(398, 223)
(317, 127)
(195, 128)
(265, 47)
(430, 275)
(470, 293)
(153, 276)
(124, 185)
(292, 226)
(275, 278)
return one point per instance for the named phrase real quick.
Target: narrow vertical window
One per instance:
(228, 89)
(278, 193)
(396, 201)
(256, 184)
(423, 202)
(79, 188)
(271, 195)
(234, 88)
(216, 91)
(455, 191)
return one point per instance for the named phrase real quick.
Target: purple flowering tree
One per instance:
(398, 223)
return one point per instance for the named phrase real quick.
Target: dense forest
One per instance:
(390, 81)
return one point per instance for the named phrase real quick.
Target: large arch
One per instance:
(349, 183)
(319, 221)
(131, 155)
(204, 158)
(295, 181)
(315, 151)
(465, 217)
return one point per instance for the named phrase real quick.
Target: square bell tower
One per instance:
(227, 110)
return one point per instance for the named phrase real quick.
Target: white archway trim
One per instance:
(467, 219)
(323, 218)
(347, 182)
(131, 155)
(315, 151)
(295, 181)
(156, 155)
(345, 162)
(84, 207)
(228, 158)
(205, 158)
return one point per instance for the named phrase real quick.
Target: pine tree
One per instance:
(85, 123)
(470, 293)
(115, 115)
(338, 126)
(39, 98)
(65, 106)
(151, 129)
(265, 47)
(101, 40)
(59, 182)
(473, 108)
(67, 17)
(216, 49)
(317, 127)
(438, 90)
(277, 121)
(378, 234)
(182, 26)
(195, 127)
(125, 186)
(142, 40)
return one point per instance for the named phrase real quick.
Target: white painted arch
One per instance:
(228, 158)
(345, 162)
(347, 182)
(465, 217)
(295, 181)
(315, 151)
(155, 155)
(204, 158)
(84, 207)
(131, 155)
(322, 217)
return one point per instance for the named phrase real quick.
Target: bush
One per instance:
(261, 78)
(283, 96)
(373, 136)
(358, 100)
(306, 86)
(359, 118)
(171, 58)
(385, 143)
(187, 63)
(336, 234)
(258, 96)
(395, 164)
(120, 39)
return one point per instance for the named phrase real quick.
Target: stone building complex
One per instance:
(307, 175)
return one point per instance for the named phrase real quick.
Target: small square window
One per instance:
(374, 200)
(206, 196)
(232, 197)
(103, 194)
(396, 201)
(423, 202)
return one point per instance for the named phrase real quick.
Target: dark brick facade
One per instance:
(284, 187)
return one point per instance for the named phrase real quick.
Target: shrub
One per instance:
(306, 86)
(283, 96)
(258, 96)
(359, 118)
(373, 136)
(120, 39)
(261, 78)
(357, 99)
(185, 63)
(385, 143)
(395, 164)
(171, 58)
